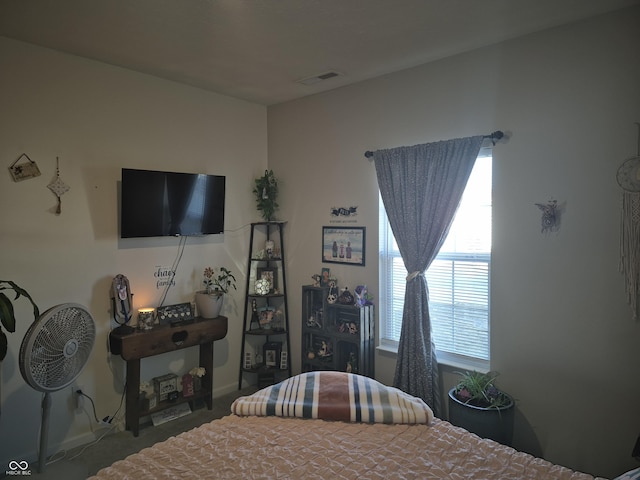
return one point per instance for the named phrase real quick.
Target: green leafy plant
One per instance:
(7, 316)
(222, 282)
(266, 192)
(479, 389)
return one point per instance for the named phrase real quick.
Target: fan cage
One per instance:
(56, 347)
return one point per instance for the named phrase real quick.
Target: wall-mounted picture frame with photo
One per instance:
(345, 245)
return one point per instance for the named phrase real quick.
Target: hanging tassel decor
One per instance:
(58, 187)
(628, 177)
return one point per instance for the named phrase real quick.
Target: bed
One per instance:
(335, 425)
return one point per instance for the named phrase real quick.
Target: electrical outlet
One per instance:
(78, 400)
(104, 424)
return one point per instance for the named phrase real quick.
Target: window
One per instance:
(458, 279)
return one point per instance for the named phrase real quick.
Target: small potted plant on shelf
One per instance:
(209, 300)
(477, 405)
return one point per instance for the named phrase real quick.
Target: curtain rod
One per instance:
(495, 136)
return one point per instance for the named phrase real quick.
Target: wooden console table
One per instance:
(162, 339)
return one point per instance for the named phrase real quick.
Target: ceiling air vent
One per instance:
(319, 78)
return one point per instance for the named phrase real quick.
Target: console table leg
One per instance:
(132, 417)
(206, 361)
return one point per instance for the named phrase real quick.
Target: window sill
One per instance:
(450, 360)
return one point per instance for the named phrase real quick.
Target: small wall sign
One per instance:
(23, 168)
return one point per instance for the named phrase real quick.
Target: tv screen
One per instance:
(158, 204)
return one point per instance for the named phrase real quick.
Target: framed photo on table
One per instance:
(345, 245)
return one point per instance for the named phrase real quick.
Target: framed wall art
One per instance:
(344, 245)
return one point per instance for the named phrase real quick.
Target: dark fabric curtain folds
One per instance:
(421, 187)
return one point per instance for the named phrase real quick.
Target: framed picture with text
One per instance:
(343, 245)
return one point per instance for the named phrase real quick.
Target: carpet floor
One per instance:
(85, 461)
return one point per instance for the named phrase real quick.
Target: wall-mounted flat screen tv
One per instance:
(158, 204)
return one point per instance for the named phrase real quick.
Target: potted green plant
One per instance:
(478, 405)
(209, 300)
(266, 192)
(7, 315)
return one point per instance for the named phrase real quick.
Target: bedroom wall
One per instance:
(562, 334)
(98, 119)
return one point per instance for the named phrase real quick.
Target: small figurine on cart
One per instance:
(362, 296)
(325, 350)
(345, 297)
(312, 322)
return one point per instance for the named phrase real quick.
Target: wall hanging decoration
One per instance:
(23, 168)
(628, 177)
(550, 221)
(344, 211)
(266, 192)
(121, 303)
(58, 187)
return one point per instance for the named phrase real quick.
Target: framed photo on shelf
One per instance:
(265, 316)
(271, 274)
(272, 351)
(345, 245)
(324, 278)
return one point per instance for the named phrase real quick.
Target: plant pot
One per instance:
(209, 304)
(495, 423)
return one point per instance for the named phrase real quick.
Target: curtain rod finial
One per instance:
(368, 154)
(495, 136)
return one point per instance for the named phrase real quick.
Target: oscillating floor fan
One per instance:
(54, 351)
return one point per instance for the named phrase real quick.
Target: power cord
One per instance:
(81, 393)
(106, 421)
(111, 427)
(124, 390)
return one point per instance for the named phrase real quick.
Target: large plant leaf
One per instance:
(7, 317)
(3, 345)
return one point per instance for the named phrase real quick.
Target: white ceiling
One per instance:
(258, 50)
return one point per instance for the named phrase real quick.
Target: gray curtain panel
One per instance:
(421, 187)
